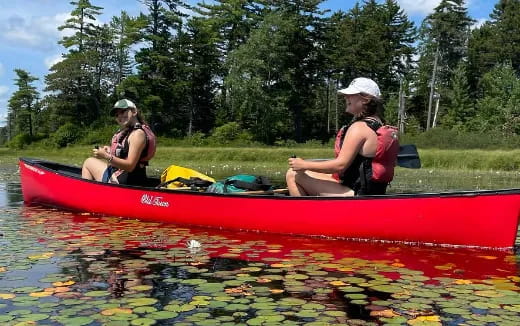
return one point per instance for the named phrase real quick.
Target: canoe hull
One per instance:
(483, 219)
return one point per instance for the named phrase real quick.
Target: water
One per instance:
(59, 268)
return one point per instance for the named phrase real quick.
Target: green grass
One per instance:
(442, 169)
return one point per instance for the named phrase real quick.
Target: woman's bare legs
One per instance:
(308, 183)
(292, 185)
(93, 169)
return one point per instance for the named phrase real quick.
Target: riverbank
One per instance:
(442, 169)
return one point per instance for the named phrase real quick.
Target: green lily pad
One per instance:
(144, 310)
(141, 288)
(236, 307)
(6, 318)
(355, 296)
(335, 313)
(20, 312)
(97, 293)
(456, 311)
(33, 317)
(162, 315)
(351, 289)
(137, 302)
(307, 314)
(143, 322)
(387, 288)
(76, 321)
(27, 289)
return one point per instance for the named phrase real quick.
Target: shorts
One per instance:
(135, 178)
(120, 175)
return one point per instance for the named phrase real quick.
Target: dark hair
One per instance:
(375, 106)
(140, 118)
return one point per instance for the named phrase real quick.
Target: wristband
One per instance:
(110, 159)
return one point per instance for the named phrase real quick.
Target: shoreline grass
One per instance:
(443, 170)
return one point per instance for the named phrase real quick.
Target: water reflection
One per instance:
(62, 268)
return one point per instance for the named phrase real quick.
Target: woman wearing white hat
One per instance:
(355, 148)
(131, 148)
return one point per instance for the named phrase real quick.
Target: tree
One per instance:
(302, 61)
(162, 67)
(23, 104)
(499, 108)
(258, 81)
(81, 22)
(398, 38)
(482, 53)
(202, 70)
(496, 42)
(126, 32)
(506, 18)
(460, 107)
(374, 41)
(443, 44)
(75, 82)
(232, 22)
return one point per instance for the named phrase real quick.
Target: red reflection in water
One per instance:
(433, 261)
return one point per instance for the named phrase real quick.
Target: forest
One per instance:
(268, 71)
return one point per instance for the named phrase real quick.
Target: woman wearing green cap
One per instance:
(132, 147)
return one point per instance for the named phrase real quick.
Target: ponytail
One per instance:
(375, 106)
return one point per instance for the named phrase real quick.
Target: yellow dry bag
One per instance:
(177, 176)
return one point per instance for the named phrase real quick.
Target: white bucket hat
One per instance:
(362, 85)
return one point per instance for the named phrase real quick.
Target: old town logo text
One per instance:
(154, 201)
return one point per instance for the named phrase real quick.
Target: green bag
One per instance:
(241, 183)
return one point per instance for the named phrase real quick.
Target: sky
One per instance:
(29, 37)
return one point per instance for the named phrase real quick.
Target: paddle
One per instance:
(408, 157)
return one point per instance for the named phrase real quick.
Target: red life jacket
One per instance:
(383, 163)
(119, 145)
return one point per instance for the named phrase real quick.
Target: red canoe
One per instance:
(468, 218)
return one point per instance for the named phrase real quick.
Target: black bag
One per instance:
(193, 182)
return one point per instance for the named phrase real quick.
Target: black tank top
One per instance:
(358, 176)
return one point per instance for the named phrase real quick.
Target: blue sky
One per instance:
(29, 31)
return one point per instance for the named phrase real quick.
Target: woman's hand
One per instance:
(297, 164)
(102, 153)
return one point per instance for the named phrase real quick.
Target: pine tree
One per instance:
(232, 22)
(303, 59)
(459, 108)
(399, 37)
(259, 81)
(126, 32)
(23, 104)
(482, 53)
(76, 81)
(499, 107)
(506, 18)
(202, 69)
(162, 67)
(81, 22)
(443, 44)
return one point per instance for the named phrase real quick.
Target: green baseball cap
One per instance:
(122, 104)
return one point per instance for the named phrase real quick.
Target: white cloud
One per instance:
(423, 7)
(3, 90)
(3, 108)
(3, 119)
(52, 60)
(479, 22)
(39, 33)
